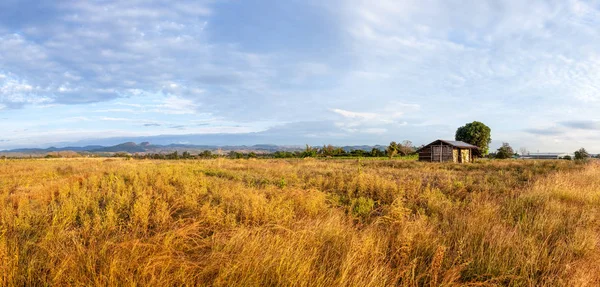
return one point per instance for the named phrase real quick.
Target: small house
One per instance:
(447, 151)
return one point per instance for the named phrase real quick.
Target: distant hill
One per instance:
(52, 149)
(129, 147)
(146, 147)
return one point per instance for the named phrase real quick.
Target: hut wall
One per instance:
(425, 154)
(441, 153)
(465, 155)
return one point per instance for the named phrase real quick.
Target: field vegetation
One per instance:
(298, 222)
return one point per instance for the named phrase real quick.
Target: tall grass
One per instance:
(298, 222)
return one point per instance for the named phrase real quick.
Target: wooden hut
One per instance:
(447, 151)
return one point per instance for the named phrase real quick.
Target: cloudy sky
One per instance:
(295, 72)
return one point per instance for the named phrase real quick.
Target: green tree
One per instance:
(309, 152)
(206, 154)
(375, 152)
(475, 133)
(283, 154)
(235, 155)
(174, 155)
(505, 151)
(581, 154)
(405, 148)
(327, 150)
(392, 149)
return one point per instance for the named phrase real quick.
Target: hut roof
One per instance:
(458, 144)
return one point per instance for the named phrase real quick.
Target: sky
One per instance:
(299, 72)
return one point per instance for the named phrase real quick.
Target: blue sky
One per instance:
(295, 72)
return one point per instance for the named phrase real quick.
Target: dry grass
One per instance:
(220, 222)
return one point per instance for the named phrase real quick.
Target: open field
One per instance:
(298, 223)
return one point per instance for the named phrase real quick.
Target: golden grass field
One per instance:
(221, 222)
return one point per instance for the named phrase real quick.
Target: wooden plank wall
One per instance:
(431, 153)
(446, 154)
(425, 154)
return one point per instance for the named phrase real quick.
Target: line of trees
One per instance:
(405, 148)
(173, 155)
(475, 133)
(478, 134)
(506, 151)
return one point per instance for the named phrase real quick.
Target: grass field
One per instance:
(221, 222)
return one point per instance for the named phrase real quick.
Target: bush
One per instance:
(582, 155)
(505, 151)
(362, 207)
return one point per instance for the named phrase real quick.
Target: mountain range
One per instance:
(146, 147)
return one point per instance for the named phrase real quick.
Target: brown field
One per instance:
(106, 222)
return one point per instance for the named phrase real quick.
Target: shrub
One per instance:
(505, 151)
(362, 207)
(581, 155)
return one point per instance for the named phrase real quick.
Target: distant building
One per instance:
(546, 155)
(447, 151)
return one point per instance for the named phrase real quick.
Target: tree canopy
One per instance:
(505, 151)
(475, 133)
(392, 149)
(581, 154)
(405, 148)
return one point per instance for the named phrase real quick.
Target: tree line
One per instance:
(478, 134)
(405, 148)
(475, 133)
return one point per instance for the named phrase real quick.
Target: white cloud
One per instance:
(379, 122)
(157, 104)
(176, 105)
(497, 62)
(356, 115)
(113, 119)
(520, 67)
(16, 93)
(375, 130)
(98, 51)
(116, 111)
